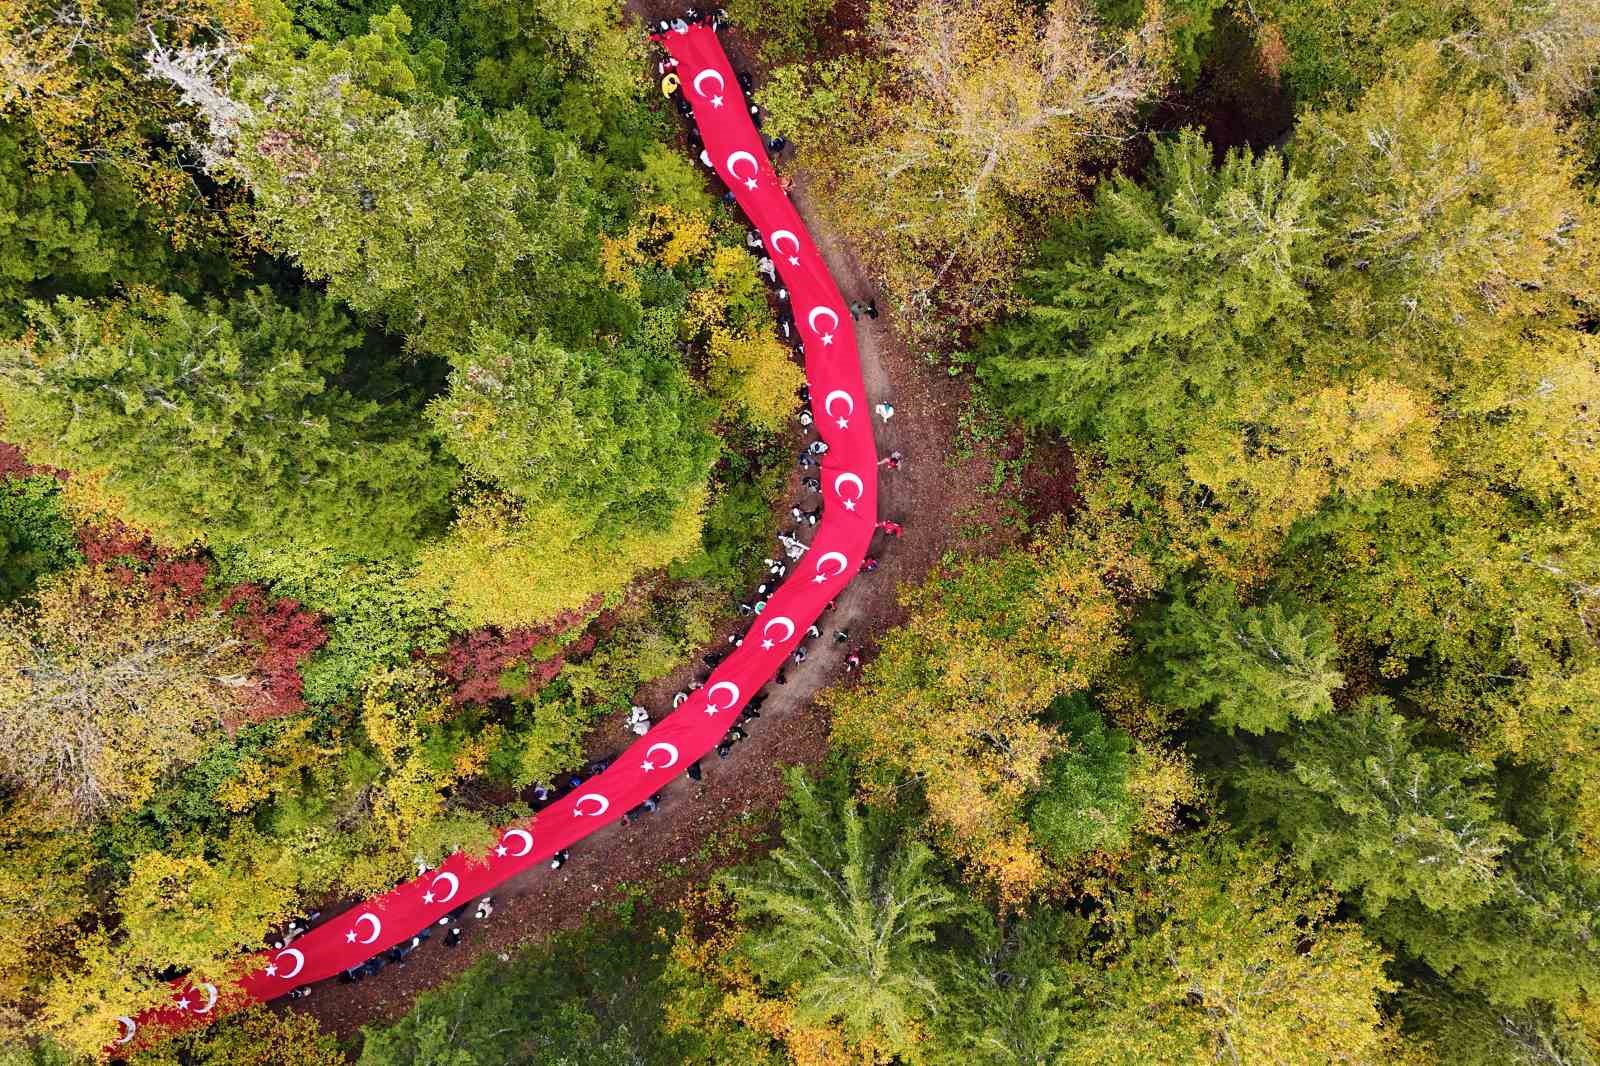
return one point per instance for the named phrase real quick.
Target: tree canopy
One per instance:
(174, 407)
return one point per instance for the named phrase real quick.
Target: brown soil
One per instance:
(941, 500)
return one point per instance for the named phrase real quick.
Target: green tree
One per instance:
(1381, 816)
(1008, 991)
(594, 996)
(1335, 49)
(1189, 26)
(617, 439)
(405, 207)
(1144, 307)
(1468, 1030)
(35, 536)
(1164, 335)
(176, 408)
(77, 231)
(1228, 959)
(842, 919)
(1257, 668)
(579, 48)
(1533, 941)
(1083, 804)
(787, 30)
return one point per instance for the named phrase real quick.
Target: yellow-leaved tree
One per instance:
(957, 697)
(502, 565)
(942, 154)
(105, 687)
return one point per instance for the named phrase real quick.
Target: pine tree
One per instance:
(1383, 817)
(842, 921)
(222, 421)
(1258, 668)
(1008, 991)
(1145, 308)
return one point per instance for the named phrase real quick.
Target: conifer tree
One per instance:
(222, 421)
(842, 920)
(1383, 817)
(1258, 668)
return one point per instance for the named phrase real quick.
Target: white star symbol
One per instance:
(647, 766)
(794, 260)
(716, 101)
(827, 338)
(501, 851)
(766, 645)
(750, 183)
(427, 897)
(820, 578)
(183, 1004)
(844, 423)
(350, 937)
(849, 505)
(712, 708)
(272, 969)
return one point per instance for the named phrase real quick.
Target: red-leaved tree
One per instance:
(491, 663)
(285, 634)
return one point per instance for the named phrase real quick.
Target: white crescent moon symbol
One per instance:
(777, 240)
(211, 999)
(827, 404)
(670, 749)
(377, 927)
(523, 835)
(843, 562)
(848, 479)
(455, 886)
(129, 1027)
(605, 804)
(811, 319)
(299, 959)
(788, 628)
(708, 73)
(733, 694)
(736, 158)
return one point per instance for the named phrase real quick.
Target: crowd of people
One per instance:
(806, 513)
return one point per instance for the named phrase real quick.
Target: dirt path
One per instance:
(703, 826)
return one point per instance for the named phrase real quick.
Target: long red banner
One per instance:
(849, 488)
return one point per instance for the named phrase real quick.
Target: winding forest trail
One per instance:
(702, 827)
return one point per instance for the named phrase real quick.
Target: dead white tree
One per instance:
(200, 74)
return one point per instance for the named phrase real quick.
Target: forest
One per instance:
(393, 409)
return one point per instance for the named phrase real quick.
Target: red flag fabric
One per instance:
(849, 488)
